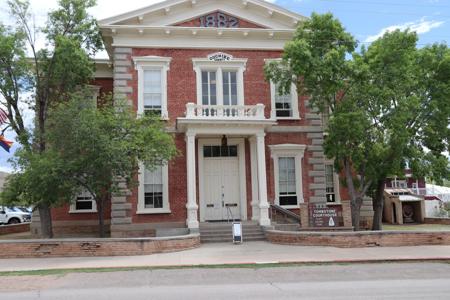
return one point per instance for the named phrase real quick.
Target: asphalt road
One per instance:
(365, 281)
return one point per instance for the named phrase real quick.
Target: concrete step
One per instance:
(245, 230)
(230, 239)
(222, 232)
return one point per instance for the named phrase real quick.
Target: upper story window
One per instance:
(153, 194)
(284, 105)
(220, 82)
(152, 84)
(287, 160)
(152, 91)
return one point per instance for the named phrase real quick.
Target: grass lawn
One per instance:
(416, 227)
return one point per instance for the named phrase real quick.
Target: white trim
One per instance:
(204, 64)
(297, 152)
(182, 10)
(187, 40)
(140, 209)
(143, 63)
(240, 142)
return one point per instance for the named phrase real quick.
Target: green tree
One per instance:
(50, 75)
(99, 146)
(388, 104)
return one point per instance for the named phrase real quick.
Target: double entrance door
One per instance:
(221, 183)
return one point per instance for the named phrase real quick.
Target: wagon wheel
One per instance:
(408, 213)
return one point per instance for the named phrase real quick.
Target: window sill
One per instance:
(288, 118)
(83, 211)
(334, 203)
(290, 206)
(153, 211)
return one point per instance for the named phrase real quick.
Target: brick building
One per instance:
(199, 64)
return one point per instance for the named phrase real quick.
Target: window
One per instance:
(286, 181)
(229, 88)
(209, 88)
(152, 91)
(83, 203)
(152, 84)
(283, 103)
(331, 183)
(153, 190)
(287, 160)
(220, 151)
(220, 82)
(284, 106)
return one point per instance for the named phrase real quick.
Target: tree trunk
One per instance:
(101, 221)
(46, 221)
(356, 212)
(378, 204)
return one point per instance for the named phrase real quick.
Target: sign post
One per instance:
(237, 233)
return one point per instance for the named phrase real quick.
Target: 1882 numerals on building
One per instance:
(219, 20)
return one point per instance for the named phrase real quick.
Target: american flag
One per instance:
(3, 116)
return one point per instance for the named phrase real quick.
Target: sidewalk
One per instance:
(247, 253)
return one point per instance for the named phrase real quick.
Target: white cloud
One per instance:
(420, 26)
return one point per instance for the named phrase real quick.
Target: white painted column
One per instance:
(254, 171)
(192, 207)
(262, 180)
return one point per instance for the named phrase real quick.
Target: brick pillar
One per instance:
(347, 213)
(304, 215)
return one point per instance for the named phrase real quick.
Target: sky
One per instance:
(365, 19)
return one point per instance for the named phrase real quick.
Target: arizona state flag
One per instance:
(5, 144)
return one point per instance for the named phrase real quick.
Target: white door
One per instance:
(222, 194)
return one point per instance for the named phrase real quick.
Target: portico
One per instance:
(222, 168)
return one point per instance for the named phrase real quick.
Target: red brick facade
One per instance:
(253, 41)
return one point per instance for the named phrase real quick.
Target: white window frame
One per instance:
(143, 63)
(294, 98)
(73, 207)
(294, 103)
(141, 193)
(337, 194)
(234, 65)
(288, 150)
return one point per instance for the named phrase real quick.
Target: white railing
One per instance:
(229, 112)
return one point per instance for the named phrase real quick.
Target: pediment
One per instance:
(255, 14)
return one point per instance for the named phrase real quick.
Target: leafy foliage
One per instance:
(389, 103)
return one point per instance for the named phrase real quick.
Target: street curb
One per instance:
(261, 264)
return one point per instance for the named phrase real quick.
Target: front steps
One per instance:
(222, 232)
